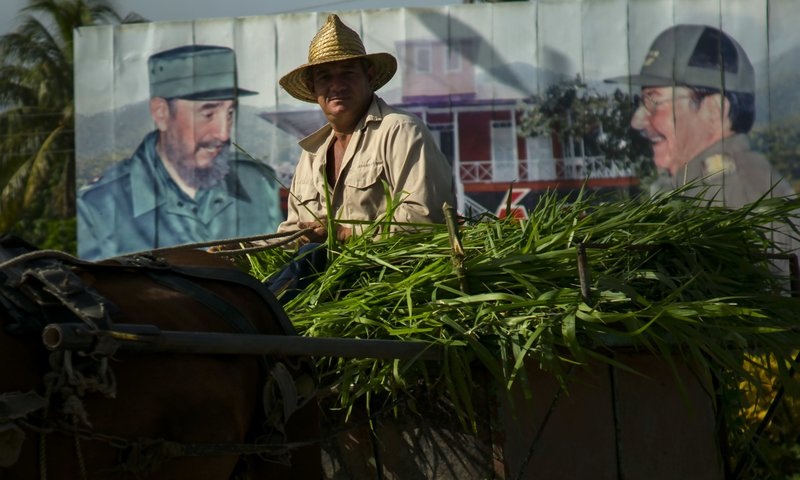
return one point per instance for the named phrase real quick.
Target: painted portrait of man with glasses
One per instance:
(696, 106)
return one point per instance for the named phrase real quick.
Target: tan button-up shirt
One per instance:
(388, 147)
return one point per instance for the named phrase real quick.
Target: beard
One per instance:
(205, 177)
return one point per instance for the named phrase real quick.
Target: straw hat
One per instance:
(335, 41)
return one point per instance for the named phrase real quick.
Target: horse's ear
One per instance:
(159, 110)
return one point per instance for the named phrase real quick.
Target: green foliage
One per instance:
(598, 123)
(37, 123)
(775, 453)
(670, 275)
(780, 143)
(50, 234)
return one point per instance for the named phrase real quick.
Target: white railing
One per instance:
(476, 172)
(574, 168)
(578, 168)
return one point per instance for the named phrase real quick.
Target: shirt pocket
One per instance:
(364, 176)
(363, 192)
(306, 193)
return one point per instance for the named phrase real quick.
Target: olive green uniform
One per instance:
(730, 174)
(136, 206)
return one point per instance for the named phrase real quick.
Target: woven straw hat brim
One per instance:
(294, 82)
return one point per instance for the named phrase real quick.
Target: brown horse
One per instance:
(172, 416)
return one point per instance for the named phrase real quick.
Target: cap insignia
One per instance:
(719, 163)
(652, 55)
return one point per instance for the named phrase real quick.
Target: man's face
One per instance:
(197, 139)
(343, 91)
(678, 127)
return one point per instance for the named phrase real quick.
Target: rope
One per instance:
(70, 384)
(217, 245)
(292, 236)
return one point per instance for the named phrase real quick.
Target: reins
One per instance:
(256, 243)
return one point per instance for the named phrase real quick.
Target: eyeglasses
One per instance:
(651, 104)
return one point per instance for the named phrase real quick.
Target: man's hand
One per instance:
(318, 234)
(320, 231)
(343, 233)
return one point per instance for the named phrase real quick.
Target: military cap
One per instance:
(195, 72)
(695, 56)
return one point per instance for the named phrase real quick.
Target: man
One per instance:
(367, 151)
(697, 106)
(181, 185)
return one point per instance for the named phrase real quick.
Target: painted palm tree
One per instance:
(37, 160)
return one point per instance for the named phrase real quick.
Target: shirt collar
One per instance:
(313, 142)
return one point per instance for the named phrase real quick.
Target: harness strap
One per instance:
(21, 311)
(86, 303)
(228, 275)
(38, 283)
(241, 278)
(287, 388)
(232, 315)
(279, 377)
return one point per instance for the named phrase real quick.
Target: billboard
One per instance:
(516, 95)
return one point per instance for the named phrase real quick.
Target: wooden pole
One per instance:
(149, 339)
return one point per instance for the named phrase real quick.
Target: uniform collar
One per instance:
(733, 144)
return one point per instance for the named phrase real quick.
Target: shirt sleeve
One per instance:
(419, 174)
(303, 201)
